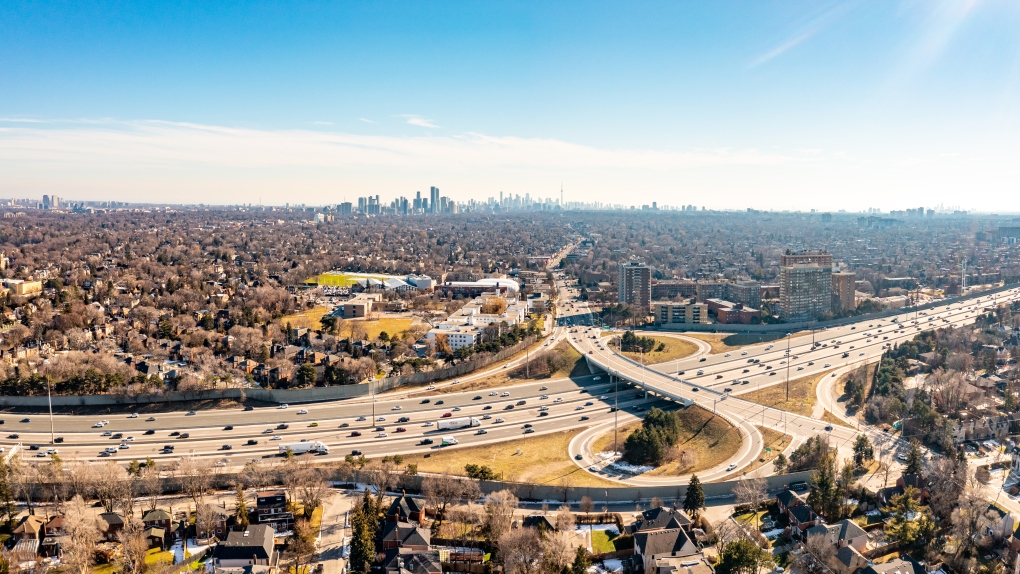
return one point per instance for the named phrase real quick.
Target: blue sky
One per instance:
(728, 104)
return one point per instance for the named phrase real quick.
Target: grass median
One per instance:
(802, 396)
(665, 349)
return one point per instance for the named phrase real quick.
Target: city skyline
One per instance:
(827, 106)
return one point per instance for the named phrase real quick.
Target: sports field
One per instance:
(339, 279)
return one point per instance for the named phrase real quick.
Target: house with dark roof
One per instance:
(271, 509)
(406, 561)
(842, 534)
(660, 519)
(406, 509)
(897, 566)
(405, 535)
(803, 517)
(252, 546)
(250, 569)
(788, 499)
(110, 523)
(654, 544)
(539, 521)
(850, 560)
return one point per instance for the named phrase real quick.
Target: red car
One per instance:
(401, 429)
(447, 415)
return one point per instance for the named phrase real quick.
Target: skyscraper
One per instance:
(434, 199)
(805, 285)
(635, 283)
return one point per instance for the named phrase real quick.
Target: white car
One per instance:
(97, 426)
(124, 445)
(597, 379)
(381, 435)
(430, 388)
(731, 467)
(505, 394)
(558, 400)
(544, 397)
(743, 353)
(220, 464)
(129, 439)
(827, 365)
(133, 416)
(283, 406)
(499, 420)
(540, 409)
(455, 409)
(380, 418)
(303, 412)
(726, 355)
(493, 394)
(396, 408)
(579, 408)
(701, 372)
(276, 437)
(267, 431)
(428, 424)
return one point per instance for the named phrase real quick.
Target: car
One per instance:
(901, 457)
(726, 355)
(149, 431)
(117, 436)
(529, 431)
(303, 412)
(800, 368)
(493, 394)
(455, 409)
(190, 414)
(359, 419)
(401, 429)
(227, 447)
(497, 421)
(810, 363)
(543, 414)
(702, 360)
(701, 372)
(173, 433)
(447, 415)
(718, 377)
(276, 437)
(355, 452)
(133, 416)
(283, 406)
(150, 419)
(578, 456)
(772, 373)
(745, 382)
(381, 435)
(743, 353)
(482, 431)
(184, 435)
(695, 389)
(97, 426)
(440, 402)
(380, 428)
(505, 394)
(282, 426)
(584, 418)
(826, 365)
(12, 436)
(104, 454)
(731, 467)
(380, 419)
(249, 408)
(727, 390)
(355, 433)
(508, 408)
(26, 420)
(228, 427)
(860, 354)
(428, 424)
(425, 401)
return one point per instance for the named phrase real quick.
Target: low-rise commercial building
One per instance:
(668, 313)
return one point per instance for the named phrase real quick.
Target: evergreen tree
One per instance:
(694, 500)
(915, 459)
(863, 451)
(824, 496)
(364, 522)
(581, 561)
(241, 508)
(903, 526)
(743, 557)
(780, 463)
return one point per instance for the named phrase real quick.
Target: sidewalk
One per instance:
(332, 532)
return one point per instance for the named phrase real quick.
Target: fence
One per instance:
(277, 396)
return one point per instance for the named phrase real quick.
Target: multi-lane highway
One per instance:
(715, 382)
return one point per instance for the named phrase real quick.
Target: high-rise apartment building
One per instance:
(843, 291)
(805, 285)
(635, 283)
(748, 293)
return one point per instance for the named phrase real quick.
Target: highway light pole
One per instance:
(616, 413)
(788, 367)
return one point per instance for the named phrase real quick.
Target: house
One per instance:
(1002, 525)
(654, 544)
(842, 534)
(850, 560)
(405, 535)
(404, 561)
(216, 526)
(155, 537)
(55, 527)
(803, 517)
(249, 569)
(897, 566)
(683, 565)
(111, 523)
(271, 509)
(251, 547)
(659, 519)
(539, 521)
(158, 518)
(32, 527)
(788, 499)
(406, 509)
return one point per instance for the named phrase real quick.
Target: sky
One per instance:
(727, 104)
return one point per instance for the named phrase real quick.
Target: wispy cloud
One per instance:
(806, 32)
(322, 123)
(366, 120)
(419, 121)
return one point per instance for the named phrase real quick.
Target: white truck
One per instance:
(448, 441)
(315, 447)
(460, 423)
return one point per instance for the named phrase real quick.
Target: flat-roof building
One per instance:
(805, 285)
(668, 313)
(635, 286)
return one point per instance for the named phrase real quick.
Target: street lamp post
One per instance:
(616, 413)
(49, 399)
(788, 366)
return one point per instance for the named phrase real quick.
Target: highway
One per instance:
(705, 380)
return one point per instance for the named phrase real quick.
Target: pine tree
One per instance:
(694, 500)
(581, 561)
(824, 496)
(863, 451)
(364, 523)
(915, 459)
(241, 508)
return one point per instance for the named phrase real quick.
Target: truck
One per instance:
(463, 422)
(448, 441)
(315, 447)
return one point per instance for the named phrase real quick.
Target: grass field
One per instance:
(543, 459)
(802, 395)
(334, 279)
(308, 318)
(602, 541)
(673, 349)
(712, 439)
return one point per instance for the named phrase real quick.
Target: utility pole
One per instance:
(616, 413)
(49, 399)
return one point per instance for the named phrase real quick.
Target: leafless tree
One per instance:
(194, 476)
(256, 474)
(151, 485)
(82, 533)
(752, 492)
(134, 546)
(499, 513)
(110, 483)
(205, 520)
(517, 551)
(312, 490)
(440, 491)
(817, 556)
(564, 519)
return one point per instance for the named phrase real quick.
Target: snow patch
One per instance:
(774, 533)
(607, 527)
(616, 463)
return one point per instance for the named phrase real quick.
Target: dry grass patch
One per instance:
(774, 443)
(802, 395)
(833, 419)
(714, 340)
(570, 364)
(672, 349)
(543, 459)
(708, 440)
(308, 319)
